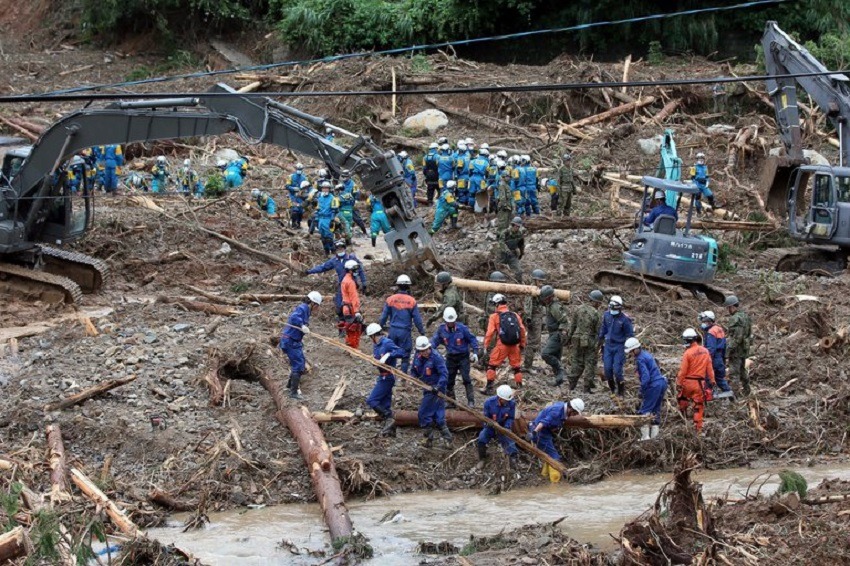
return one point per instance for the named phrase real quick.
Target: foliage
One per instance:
(833, 50)
(791, 481)
(419, 63)
(214, 186)
(46, 536)
(725, 255)
(11, 504)
(654, 54)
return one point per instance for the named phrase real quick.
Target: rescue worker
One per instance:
(409, 173)
(401, 313)
(695, 379)
(447, 207)
(295, 182)
(352, 318)
(430, 368)
(557, 324)
(342, 222)
(615, 329)
(233, 174)
(381, 398)
(653, 386)
(159, 174)
(659, 207)
(76, 173)
(337, 263)
(330, 135)
(714, 339)
(461, 350)
(529, 187)
(699, 176)
(346, 208)
(462, 158)
(500, 408)
(431, 173)
(489, 308)
(350, 188)
(291, 340)
(478, 174)
(545, 426)
(512, 247)
(378, 218)
(326, 204)
(532, 317)
(296, 204)
(113, 158)
(445, 166)
(582, 335)
(518, 185)
(562, 199)
(450, 298)
(188, 179)
(504, 199)
(264, 201)
(506, 328)
(738, 341)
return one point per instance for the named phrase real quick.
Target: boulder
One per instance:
(650, 146)
(426, 122)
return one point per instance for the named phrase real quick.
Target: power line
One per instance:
(422, 47)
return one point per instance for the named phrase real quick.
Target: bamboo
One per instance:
(83, 396)
(507, 288)
(101, 500)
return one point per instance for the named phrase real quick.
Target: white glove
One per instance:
(305, 329)
(473, 358)
(384, 358)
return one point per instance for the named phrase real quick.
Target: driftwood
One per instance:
(199, 306)
(268, 297)
(337, 394)
(507, 288)
(212, 296)
(56, 460)
(165, 499)
(627, 222)
(14, 544)
(614, 112)
(124, 524)
(83, 396)
(740, 145)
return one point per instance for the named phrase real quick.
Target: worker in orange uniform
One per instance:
(352, 319)
(695, 370)
(507, 328)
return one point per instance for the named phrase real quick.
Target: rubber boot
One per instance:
(711, 201)
(621, 389)
(545, 471)
(612, 386)
(559, 377)
(454, 222)
(374, 240)
(470, 394)
(488, 389)
(294, 382)
(644, 433)
(389, 427)
(429, 438)
(446, 434)
(653, 431)
(482, 455)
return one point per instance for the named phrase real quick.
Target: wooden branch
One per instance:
(250, 87)
(740, 145)
(507, 288)
(614, 112)
(164, 499)
(83, 396)
(56, 460)
(337, 394)
(23, 131)
(124, 524)
(14, 544)
(199, 306)
(626, 64)
(827, 499)
(540, 224)
(75, 70)
(667, 110)
(481, 120)
(268, 297)
(213, 296)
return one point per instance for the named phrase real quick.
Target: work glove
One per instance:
(473, 358)
(434, 390)
(384, 358)
(305, 329)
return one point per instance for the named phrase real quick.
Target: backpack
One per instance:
(509, 329)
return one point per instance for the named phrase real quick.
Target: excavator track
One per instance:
(38, 285)
(614, 279)
(88, 272)
(806, 260)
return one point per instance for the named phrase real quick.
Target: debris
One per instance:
(83, 396)
(119, 518)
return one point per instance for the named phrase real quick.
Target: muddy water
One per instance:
(251, 537)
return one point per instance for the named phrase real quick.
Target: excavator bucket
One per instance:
(777, 178)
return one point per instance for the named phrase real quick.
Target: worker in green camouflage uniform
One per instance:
(582, 336)
(504, 200)
(739, 336)
(512, 247)
(557, 324)
(562, 199)
(451, 297)
(532, 317)
(489, 308)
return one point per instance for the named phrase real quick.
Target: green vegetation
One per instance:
(725, 255)
(654, 55)
(214, 186)
(791, 481)
(11, 504)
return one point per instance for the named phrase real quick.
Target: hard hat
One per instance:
(445, 147)
(526, 159)
(450, 314)
(505, 392)
(706, 315)
(305, 184)
(461, 145)
(442, 140)
(517, 220)
(373, 329)
(731, 301)
(485, 145)
(632, 344)
(187, 162)
(345, 173)
(502, 153)
(538, 274)
(577, 405)
(450, 184)
(325, 185)
(689, 335)
(339, 244)
(500, 163)
(434, 145)
(323, 172)
(255, 193)
(484, 151)
(403, 280)
(402, 154)
(659, 195)
(315, 297)
(422, 343)
(700, 155)
(77, 160)
(567, 156)
(547, 291)
(299, 166)
(498, 277)
(351, 265)
(616, 301)
(160, 158)
(219, 163)
(596, 295)
(469, 140)
(498, 298)
(443, 277)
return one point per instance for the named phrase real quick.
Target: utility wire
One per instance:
(422, 47)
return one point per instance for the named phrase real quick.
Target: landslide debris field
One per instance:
(217, 457)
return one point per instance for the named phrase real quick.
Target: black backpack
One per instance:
(429, 171)
(509, 329)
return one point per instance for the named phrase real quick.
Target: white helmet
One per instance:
(498, 298)
(700, 155)
(315, 297)
(505, 392)
(577, 405)
(402, 154)
(352, 265)
(160, 159)
(325, 185)
(500, 163)
(221, 163)
(433, 145)
(305, 184)
(450, 314)
(461, 145)
(422, 343)
(659, 195)
(187, 162)
(323, 173)
(689, 335)
(469, 140)
(525, 159)
(255, 193)
(502, 153)
(706, 315)
(616, 302)
(485, 145)
(403, 280)
(373, 329)
(445, 147)
(484, 151)
(451, 184)
(299, 166)
(632, 344)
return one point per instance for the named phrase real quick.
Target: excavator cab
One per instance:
(819, 205)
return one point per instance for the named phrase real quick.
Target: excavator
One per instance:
(815, 199)
(38, 211)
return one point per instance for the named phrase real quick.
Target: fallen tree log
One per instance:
(124, 524)
(14, 544)
(507, 288)
(199, 306)
(83, 396)
(32, 136)
(667, 110)
(212, 296)
(164, 499)
(56, 462)
(614, 112)
(268, 297)
(466, 306)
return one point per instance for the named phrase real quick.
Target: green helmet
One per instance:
(546, 291)
(498, 277)
(444, 277)
(596, 295)
(539, 275)
(731, 301)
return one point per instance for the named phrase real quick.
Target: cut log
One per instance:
(83, 396)
(164, 499)
(337, 394)
(614, 112)
(626, 65)
(667, 110)
(213, 296)
(23, 131)
(540, 224)
(268, 297)
(507, 288)
(199, 306)
(56, 459)
(124, 524)
(14, 544)
(250, 87)
(741, 145)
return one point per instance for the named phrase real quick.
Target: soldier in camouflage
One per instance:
(739, 336)
(532, 317)
(451, 298)
(504, 200)
(582, 336)
(556, 323)
(562, 199)
(512, 247)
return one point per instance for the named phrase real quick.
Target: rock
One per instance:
(181, 327)
(426, 122)
(226, 154)
(650, 146)
(721, 129)
(150, 338)
(223, 251)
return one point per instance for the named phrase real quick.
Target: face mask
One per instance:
(340, 254)
(704, 325)
(614, 311)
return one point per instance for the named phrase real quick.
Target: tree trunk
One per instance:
(56, 459)
(89, 393)
(614, 112)
(14, 544)
(199, 306)
(101, 500)
(507, 288)
(579, 223)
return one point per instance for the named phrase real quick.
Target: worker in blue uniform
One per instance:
(377, 218)
(699, 176)
(291, 340)
(445, 166)
(659, 207)
(447, 207)
(401, 313)
(501, 408)
(337, 263)
(381, 398)
(430, 368)
(653, 386)
(615, 329)
(546, 425)
(325, 211)
(478, 168)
